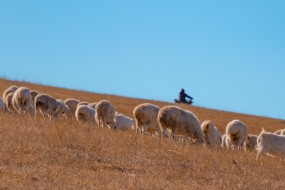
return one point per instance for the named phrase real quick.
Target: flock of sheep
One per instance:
(165, 122)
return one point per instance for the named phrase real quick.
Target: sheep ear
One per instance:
(263, 130)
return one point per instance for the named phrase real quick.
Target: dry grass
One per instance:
(38, 154)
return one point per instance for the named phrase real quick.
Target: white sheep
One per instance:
(124, 123)
(236, 132)
(2, 105)
(105, 114)
(146, 118)
(270, 143)
(224, 141)
(72, 104)
(181, 121)
(86, 114)
(211, 134)
(280, 132)
(62, 109)
(83, 103)
(34, 94)
(22, 100)
(10, 89)
(92, 105)
(8, 102)
(46, 104)
(251, 142)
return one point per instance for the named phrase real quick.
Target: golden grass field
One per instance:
(63, 154)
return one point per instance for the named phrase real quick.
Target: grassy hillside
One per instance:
(38, 154)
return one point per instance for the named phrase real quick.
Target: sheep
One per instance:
(2, 105)
(34, 94)
(82, 103)
(236, 132)
(72, 104)
(46, 104)
(8, 102)
(62, 109)
(251, 142)
(224, 141)
(146, 118)
(22, 100)
(85, 114)
(179, 120)
(10, 89)
(211, 133)
(124, 123)
(280, 132)
(270, 143)
(92, 105)
(105, 114)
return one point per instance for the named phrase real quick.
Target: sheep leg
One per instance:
(228, 144)
(139, 129)
(104, 122)
(15, 106)
(100, 123)
(239, 144)
(145, 127)
(97, 118)
(262, 152)
(173, 134)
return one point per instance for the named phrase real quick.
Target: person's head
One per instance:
(182, 90)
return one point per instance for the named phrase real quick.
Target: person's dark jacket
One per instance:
(183, 96)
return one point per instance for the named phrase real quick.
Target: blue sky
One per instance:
(228, 55)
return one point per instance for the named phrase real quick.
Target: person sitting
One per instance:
(183, 97)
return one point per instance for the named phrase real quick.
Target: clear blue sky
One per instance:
(228, 55)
